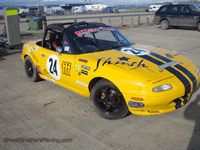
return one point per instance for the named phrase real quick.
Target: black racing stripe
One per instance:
(184, 70)
(182, 78)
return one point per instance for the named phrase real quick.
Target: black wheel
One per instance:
(30, 69)
(198, 26)
(164, 24)
(108, 101)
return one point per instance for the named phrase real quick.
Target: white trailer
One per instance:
(96, 7)
(154, 7)
(79, 9)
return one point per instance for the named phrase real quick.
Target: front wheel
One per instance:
(30, 69)
(164, 24)
(108, 101)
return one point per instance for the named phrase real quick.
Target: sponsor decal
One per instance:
(85, 67)
(66, 68)
(53, 66)
(49, 80)
(122, 60)
(29, 49)
(169, 55)
(84, 72)
(92, 30)
(78, 68)
(66, 48)
(135, 104)
(35, 47)
(81, 83)
(134, 51)
(82, 60)
(38, 69)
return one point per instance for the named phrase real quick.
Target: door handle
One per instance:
(182, 16)
(42, 55)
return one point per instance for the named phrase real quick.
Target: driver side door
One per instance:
(58, 67)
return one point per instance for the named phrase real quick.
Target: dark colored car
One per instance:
(22, 15)
(89, 12)
(180, 15)
(107, 10)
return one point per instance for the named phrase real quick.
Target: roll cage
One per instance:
(72, 31)
(59, 28)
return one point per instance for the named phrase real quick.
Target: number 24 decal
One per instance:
(53, 67)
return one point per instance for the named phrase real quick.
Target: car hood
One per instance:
(136, 60)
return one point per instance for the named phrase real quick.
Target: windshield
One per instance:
(194, 8)
(99, 39)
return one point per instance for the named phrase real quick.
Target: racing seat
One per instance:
(55, 40)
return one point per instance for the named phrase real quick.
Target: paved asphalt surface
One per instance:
(45, 110)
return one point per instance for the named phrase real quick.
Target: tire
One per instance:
(164, 24)
(108, 101)
(198, 26)
(30, 70)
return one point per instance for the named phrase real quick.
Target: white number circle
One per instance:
(135, 51)
(53, 66)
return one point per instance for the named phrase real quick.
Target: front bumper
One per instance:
(154, 105)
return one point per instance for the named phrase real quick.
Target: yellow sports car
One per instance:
(97, 61)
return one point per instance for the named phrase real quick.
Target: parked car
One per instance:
(115, 10)
(179, 15)
(98, 61)
(1, 17)
(59, 12)
(89, 12)
(107, 10)
(22, 15)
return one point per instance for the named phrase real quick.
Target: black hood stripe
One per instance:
(184, 70)
(182, 78)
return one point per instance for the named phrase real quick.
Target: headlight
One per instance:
(197, 71)
(162, 88)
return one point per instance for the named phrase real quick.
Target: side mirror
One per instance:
(59, 49)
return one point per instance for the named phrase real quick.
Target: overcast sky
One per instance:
(108, 2)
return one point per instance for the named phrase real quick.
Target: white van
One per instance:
(154, 7)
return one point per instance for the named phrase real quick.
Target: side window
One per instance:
(55, 40)
(184, 9)
(164, 9)
(174, 9)
(193, 8)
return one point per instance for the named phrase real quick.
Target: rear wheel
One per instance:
(108, 101)
(164, 24)
(30, 69)
(198, 26)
